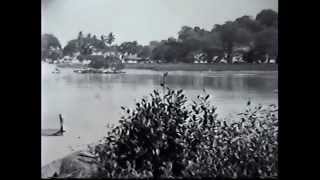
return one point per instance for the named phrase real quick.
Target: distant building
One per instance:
(272, 61)
(241, 49)
(200, 61)
(86, 62)
(75, 61)
(133, 58)
(97, 53)
(199, 57)
(224, 61)
(76, 54)
(237, 58)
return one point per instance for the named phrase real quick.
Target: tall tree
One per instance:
(248, 23)
(129, 47)
(71, 47)
(49, 40)
(110, 38)
(266, 43)
(50, 47)
(185, 33)
(268, 18)
(145, 52)
(227, 33)
(231, 34)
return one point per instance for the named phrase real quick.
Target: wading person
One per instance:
(61, 123)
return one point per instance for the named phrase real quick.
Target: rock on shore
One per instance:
(79, 164)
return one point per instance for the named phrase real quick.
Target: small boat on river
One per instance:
(56, 71)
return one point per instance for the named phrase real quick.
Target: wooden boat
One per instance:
(54, 132)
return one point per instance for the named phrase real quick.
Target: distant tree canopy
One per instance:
(266, 42)
(268, 18)
(145, 52)
(49, 40)
(50, 47)
(259, 36)
(86, 45)
(70, 48)
(129, 47)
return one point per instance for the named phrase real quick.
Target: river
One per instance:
(88, 102)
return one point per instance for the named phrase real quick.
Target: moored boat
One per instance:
(56, 71)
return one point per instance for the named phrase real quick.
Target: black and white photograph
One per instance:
(159, 89)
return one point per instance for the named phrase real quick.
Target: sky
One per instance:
(141, 20)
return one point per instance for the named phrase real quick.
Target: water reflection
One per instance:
(226, 82)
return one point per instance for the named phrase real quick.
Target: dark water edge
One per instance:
(192, 67)
(204, 67)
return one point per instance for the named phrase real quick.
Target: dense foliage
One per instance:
(99, 61)
(85, 45)
(168, 136)
(259, 35)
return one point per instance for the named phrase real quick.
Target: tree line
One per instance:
(253, 38)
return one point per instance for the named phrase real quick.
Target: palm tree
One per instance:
(110, 38)
(89, 36)
(80, 41)
(80, 35)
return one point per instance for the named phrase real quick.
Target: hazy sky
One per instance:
(141, 20)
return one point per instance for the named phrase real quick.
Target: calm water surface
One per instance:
(88, 102)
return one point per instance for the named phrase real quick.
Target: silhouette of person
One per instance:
(61, 123)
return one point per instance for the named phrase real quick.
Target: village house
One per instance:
(200, 57)
(272, 61)
(133, 58)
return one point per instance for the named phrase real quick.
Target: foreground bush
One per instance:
(167, 136)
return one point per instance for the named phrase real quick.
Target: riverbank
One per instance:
(204, 67)
(191, 67)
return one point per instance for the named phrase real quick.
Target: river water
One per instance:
(88, 102)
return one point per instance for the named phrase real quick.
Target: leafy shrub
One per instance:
(164, 136)
(97, 61)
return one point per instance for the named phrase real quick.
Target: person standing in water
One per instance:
(61, 123)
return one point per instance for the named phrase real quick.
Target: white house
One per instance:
(223, 60)
(76, 54)
(75, 61)
(109, 53)
(237, 59)
(272, 61)
(132, 61)
(67, 58)
(86, 62)
(97, 53)
(133, 58)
